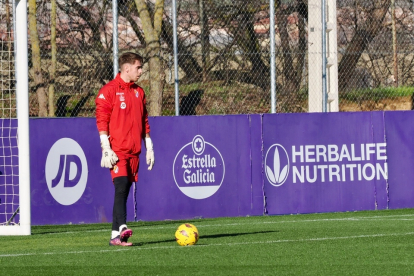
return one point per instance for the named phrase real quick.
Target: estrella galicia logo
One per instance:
(198, 169)
(277, 165)
(66, 171)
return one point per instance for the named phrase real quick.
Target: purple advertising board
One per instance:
(67, 183)
(202, 169)
(218, 166)
(324, 162)
(399, 131)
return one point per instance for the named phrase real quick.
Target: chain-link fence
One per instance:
(375, 47)
(7, 77)
(223, 54)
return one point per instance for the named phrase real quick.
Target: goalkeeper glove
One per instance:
(150, 152)
(109, 157)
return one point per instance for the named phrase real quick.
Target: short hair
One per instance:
(129, 57)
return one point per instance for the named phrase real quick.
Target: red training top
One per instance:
(121, 111)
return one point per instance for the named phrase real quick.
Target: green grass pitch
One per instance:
(353, 243)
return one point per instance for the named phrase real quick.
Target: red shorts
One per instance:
(126, 167)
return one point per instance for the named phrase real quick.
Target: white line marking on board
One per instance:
(216, 244)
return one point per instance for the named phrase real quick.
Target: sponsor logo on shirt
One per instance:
(123, 105)
(101, 97)
(121, 96)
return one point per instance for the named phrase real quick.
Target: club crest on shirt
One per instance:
(136, 93)
(123, 105)
(116, 169)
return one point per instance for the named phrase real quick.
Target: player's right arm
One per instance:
(104, 107)
(103, 115)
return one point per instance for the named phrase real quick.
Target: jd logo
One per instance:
(277, 165)
(66, 171)
(68, 182)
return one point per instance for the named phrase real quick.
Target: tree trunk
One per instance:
(363, 36)
(204, 39)
(152, 32)
(36, 60)
(157, 77)
(247, 40)
(53, 61)
(186, 61)
(300, 68)
(394, 43)
(126, 10)
(289, 72)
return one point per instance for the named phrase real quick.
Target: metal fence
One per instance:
(223, 55)
(375, 48)
(7, 77)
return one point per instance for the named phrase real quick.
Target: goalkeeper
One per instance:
(122, 121)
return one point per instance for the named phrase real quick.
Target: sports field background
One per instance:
(353, 243)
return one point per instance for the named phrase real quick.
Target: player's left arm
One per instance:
(148, 142)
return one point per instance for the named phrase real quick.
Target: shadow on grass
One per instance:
(65, 228)
(208, 237)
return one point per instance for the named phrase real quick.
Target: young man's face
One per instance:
(134, 71)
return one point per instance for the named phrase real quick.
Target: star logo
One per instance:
(198, 144)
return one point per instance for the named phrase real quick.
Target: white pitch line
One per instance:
(209, 245)
(281, 221)
(401, 219)
(252, 223)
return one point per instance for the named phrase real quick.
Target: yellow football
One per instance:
(186, 234)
